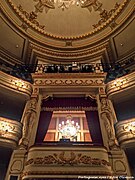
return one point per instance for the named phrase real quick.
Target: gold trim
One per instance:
(120, 84)
(118, 11)
(16, 84)
(61, 159)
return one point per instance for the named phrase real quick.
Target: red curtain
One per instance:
(94, 126)
(44, 120)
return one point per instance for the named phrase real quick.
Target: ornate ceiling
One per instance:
(66, 30)
(63, 22)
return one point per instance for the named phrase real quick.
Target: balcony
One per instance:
(125, 131)
(10, 132)
(15, 84)
(122, 86)
(69, 78)
(66, 162)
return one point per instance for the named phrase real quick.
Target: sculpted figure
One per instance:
(28, 122)
(107, 116)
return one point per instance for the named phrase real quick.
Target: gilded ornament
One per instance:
(32, 17)
(71, 159)
(40, 28)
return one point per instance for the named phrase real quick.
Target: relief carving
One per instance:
(70, 159)
(107, 117)
(69, 82)
(32, 17)
(28, 122)
(16, 166)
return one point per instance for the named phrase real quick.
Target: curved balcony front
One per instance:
(125, 131)
(122, 86)
(10, 132)
(15, 84)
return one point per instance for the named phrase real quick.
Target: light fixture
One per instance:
(69, 129)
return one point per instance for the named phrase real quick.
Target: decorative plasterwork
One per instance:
(68, 54)
(106, 18)
(69, 79)
(73, 159)
(121, 84)
(63, 160)
(10, 132)
(125, 131)
(17, 85)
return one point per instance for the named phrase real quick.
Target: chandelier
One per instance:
(69, 129)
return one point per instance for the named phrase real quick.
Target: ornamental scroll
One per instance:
(62, 159)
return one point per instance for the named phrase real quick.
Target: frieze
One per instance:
(121, 84)
(69, 82)
(125, 131)
(99, 49)
(10, 131)
(32, 17)
(73, 159)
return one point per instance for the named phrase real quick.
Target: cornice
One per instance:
(120, 84)
(17, 85)
(62, 160)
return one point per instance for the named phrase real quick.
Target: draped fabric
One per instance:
(94, 126)
(69, 102)
(44, 120)
(92, 116)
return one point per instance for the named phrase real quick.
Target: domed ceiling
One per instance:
(66, 30)
(68, 19)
